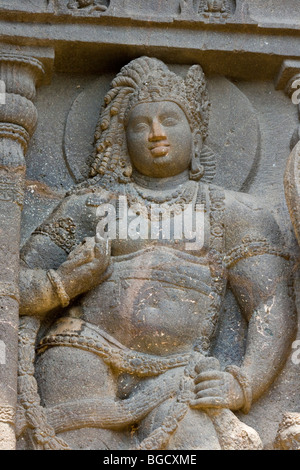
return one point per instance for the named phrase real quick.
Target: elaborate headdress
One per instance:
(143, 80)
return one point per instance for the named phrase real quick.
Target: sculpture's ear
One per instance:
(204, 160)
(198, 142)
(197, 170)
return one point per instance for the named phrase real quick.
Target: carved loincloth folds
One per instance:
(112, 413)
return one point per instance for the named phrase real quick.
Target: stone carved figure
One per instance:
(123, 327)
(216, 9)
(215, 6)
(213, 10)
(87, 5)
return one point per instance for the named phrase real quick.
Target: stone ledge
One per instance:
(87, 48)
(244, 13)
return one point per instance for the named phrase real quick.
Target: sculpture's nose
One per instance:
(157, 132)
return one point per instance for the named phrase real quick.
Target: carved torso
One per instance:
(156, 305)
(155, 301)
(161, 298)
(158, 298)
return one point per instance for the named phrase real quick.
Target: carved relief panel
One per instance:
(210, 10)
(140, 282)
(83, 7)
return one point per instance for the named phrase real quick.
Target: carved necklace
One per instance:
(175, 199)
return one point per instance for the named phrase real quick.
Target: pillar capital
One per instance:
(22, 70)
(21, 74)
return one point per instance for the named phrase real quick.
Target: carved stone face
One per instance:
(159, 139)
(215, 5)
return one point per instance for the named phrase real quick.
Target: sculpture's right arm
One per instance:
(42, 291)
(62, 259)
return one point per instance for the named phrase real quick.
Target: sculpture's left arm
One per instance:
(261, 286)
(261, 277)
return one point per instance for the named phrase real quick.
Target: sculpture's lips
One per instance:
(160, 149)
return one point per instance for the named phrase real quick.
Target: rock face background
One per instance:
(251, 127)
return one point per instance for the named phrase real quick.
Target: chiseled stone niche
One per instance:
(144, 310)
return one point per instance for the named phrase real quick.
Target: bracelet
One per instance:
(59, 288)
(243, 380)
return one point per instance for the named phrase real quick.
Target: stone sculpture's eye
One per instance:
(140, 127)
(169, 121)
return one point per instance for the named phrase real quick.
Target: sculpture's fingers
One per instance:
(99, 239)
(102, 247)
(211, 402)
(209, 375)
(208, 385)
(209, 393)
(88, 241)
(83, 253)
(207, 363)
(75, 252)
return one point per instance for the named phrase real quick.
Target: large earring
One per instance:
(196, 170)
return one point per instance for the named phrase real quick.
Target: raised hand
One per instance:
(84, 266)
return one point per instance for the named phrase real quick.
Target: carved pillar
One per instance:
(18, 117)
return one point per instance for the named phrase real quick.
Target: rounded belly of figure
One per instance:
(157, 303)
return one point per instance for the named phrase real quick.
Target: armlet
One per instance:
(253, 247)
(61, 231)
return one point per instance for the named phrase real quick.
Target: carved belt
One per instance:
(73, 332)
(107, 412)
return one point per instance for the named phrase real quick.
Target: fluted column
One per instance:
(18, 118)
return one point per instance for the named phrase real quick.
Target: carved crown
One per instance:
(143, 80)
